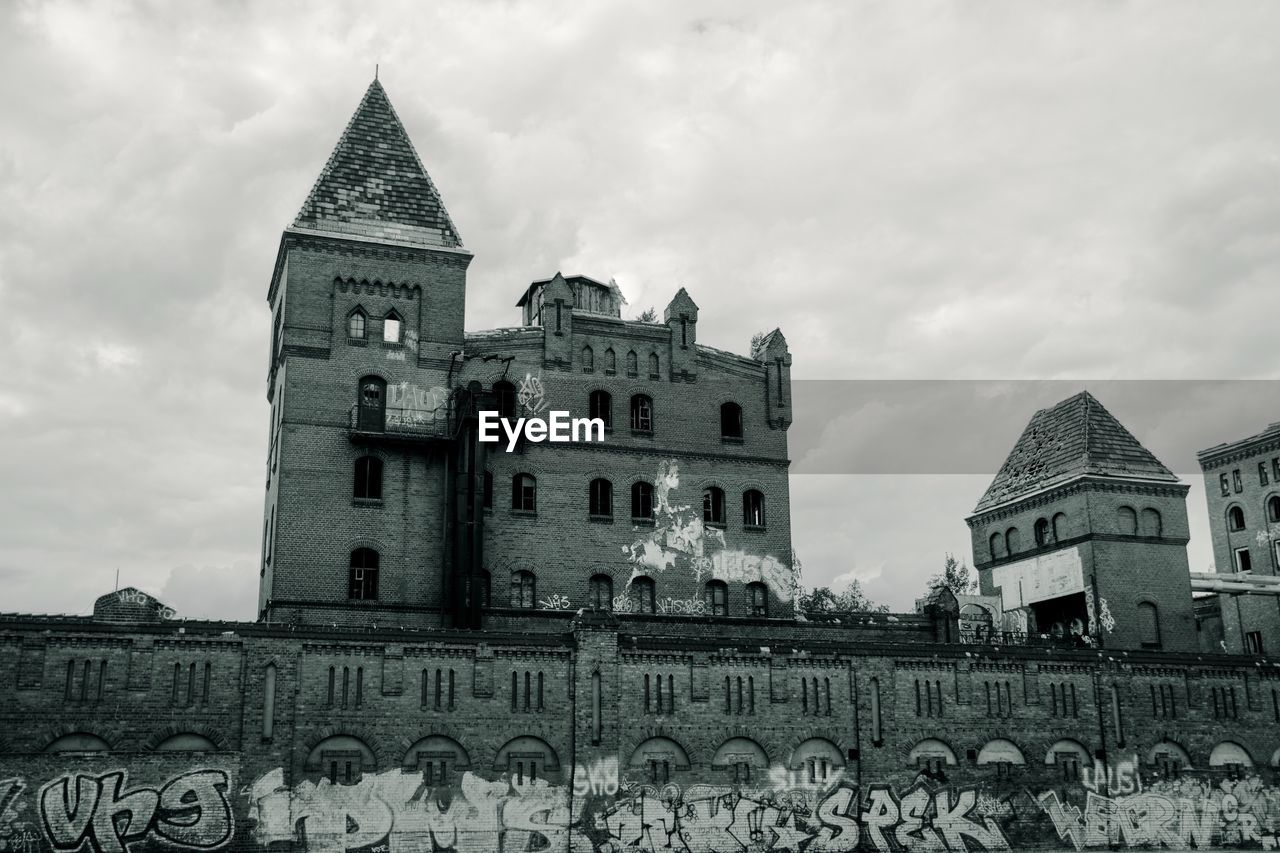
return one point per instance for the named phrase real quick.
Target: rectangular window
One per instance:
(1225, 485)
(1275, 469)
(1262, 473)
(1236, 481)
(1244, 563)
(1253, 642)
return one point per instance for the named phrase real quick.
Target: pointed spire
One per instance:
(375, 186)
(1078, 437)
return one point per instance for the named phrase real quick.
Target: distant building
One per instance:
(1242, 490)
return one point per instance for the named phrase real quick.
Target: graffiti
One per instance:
(681, 606)
(1121, 777)
(16, 835)
(597, 779)
(412, 405)
(680, 540)
(1104, 616)
(531, 393)
(190, 811)
(555, 602)
(1173, 813)
(411, 340)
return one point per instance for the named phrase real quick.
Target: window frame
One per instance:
(757, 511)
(524, 495)
(369, 483)
(712, 590)
(364, 575)
(524, 590)
(600, 498)
(641, 491)
(358, 316)
(390, 317)
(734, 413)
(642, 414)
(600, 405)
(713, 507)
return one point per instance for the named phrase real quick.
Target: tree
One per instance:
(822, 604)
(756, 340)
(955, 577)
(649, 315)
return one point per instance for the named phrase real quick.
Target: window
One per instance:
(641, 413)
(1253, 642)
(1236, 482)
(928, 698)
(1224, 703)
(758, 596)
(642, 500)
(1244, 562)
(1012, 540)
(373, 403)
(1068, 764)
(713, 505)
(1148, 625)
(653, 366)
(368, 478)
(600, 405)
(601, 592)
(642, 594)
(1262, 473)
(716, 595)
(600, 498)
(588, 360)
(610, 362)
(1163, 702)
(1152, 525)
(364, 574)
(659, 694)
(1235, 518)
(505, 396)
(523, 589)
(438, 689)
(356, 325)
(753, 508)
(524, 493)
(999, 698)
(730, 420)
(997, 545)
(1059, 527)
(1127, 521)
(391, 328)
(488, 490)
(1225, 485)
(1273, 508)
(1063, 698)
(1041, 531)
(739, 694)
(632, 364)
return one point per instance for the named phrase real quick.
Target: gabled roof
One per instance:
(374, 185)
(1078, 437)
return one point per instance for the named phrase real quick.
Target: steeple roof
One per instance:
(1078, 437)
(374, 185)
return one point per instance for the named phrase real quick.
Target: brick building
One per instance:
(592, 646)
(1242, 490)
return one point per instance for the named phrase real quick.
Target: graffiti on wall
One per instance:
(140, 598)
(555, 602)
(411, 405)
(680, 606)
(104, 814)
(532, 394)
(681, 541)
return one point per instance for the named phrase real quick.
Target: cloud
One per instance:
(911, 191)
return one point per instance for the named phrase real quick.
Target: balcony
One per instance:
(401, 425)
(986, 636)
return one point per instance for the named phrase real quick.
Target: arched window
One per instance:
(356, 325)
(1042, 532)
(1151, 523)
(753, 508)
(601, 592)
(341, 759)
(372, 401)
(524, 493)
(632, 364)
(758, 597)
(186, 742)
(716, 597)
(523, 589)
(600, 498)
(505, 394)
(653, 366)
(997, 545)
(438, 758)
(610, 362)
(1012, 541)
(641, 413)
(642, 594)
(368, 478)
(600, 405)
(713, 505)
(78, 742)
(641, 500)
(730, 420)
(1273, 508)
(588, 360)
(392, 328)
(1148, 625)
(1000, 751)
(1126, 521)
(1059, 526)
(1235, 518)
(363, 575)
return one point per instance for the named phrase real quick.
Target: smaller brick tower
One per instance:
(1083, 534)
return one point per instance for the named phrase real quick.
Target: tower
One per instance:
(1083, 534)
(367, 299)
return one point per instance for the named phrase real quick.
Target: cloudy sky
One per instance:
(1072, 191)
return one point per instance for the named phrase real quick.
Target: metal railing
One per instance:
(991, 637)
(431, 423)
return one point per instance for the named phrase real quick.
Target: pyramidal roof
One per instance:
(1077, 437)
(374, 185)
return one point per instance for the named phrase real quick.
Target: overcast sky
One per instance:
(980, 190)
